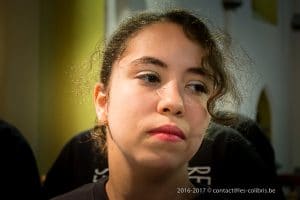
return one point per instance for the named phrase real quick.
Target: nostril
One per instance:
(166, 110)
(179, 113)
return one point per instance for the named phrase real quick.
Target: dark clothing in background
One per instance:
(90, 191)
(19, 174)
(255, 135)
(77, 164)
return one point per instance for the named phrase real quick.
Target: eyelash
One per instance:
(197, 87)
(150, 78)
(153, 79)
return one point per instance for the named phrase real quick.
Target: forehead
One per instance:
(163, 39)
(163, 31)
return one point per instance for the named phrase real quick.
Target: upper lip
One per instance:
(168, 129)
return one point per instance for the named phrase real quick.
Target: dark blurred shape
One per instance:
(251, 164)
(295, 23)
(77, 164)
(19, 175)
(252, 131)
(255, 135)
(231, 4)
(235, 163)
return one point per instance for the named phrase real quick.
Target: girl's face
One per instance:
(156, 101)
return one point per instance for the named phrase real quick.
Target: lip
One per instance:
(172, 131)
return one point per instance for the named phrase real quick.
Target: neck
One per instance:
(129, 180)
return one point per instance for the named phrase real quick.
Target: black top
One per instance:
(79, 163)
(90, 191)
(96, 191)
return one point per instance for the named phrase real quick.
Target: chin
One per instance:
(162, 161)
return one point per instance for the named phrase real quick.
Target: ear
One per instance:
(100, 101)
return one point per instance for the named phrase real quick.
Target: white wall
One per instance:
(269, 46)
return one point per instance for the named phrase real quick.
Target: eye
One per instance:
(151, 78)
(197, 87)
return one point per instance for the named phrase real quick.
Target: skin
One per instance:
(156, 81)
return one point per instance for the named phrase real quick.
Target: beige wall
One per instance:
(69, 32)
(45, 86)
(19, 66)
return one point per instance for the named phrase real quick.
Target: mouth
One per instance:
(168, 133)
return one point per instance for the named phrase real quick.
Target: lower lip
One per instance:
(167, 137)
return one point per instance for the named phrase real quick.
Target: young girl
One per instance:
(162, 74)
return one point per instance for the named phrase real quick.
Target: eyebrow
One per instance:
(150, 60)
(198, 70)
(154, 61)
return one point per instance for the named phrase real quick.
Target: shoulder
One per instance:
(84, 192)
(80, 144)
(90, 191)
(10, 132)
(224, 140)
(82, 137)
(13, 140)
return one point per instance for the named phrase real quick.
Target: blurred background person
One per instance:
(19, 175)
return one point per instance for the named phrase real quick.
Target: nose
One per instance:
(171, 101)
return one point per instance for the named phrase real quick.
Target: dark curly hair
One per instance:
(195, 30)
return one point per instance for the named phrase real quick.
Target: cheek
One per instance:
(120, 105)
(194, 145)
(119, 114)
(199, 118)
(127, 108)
(127, 99)
(199, 122)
